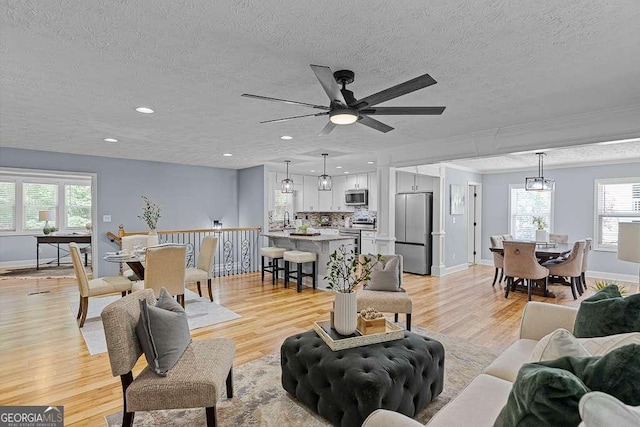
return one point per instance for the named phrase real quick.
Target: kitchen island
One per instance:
(323, 245)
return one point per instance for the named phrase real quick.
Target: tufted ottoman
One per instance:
(346, 386)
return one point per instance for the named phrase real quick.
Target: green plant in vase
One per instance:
(539, 222)
(150, 213)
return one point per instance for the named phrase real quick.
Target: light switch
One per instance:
(453, 219)
(106, 218)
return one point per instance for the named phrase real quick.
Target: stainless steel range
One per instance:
(354, 231)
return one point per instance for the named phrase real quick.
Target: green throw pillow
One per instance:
(548, 393)
(607, 313)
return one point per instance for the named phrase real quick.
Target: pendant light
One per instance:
(287, 183)
(324, 180)
(540, 183)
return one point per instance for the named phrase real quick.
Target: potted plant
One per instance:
(542, 235)
(345, 271)
(150, 215)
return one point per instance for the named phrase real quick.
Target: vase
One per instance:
(542, 236)
(345, 313)
(152, 238)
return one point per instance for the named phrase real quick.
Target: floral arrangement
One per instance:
(346, 271)
(540, 222)
(150, 212)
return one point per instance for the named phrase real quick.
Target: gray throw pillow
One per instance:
(385, 275)
(163, 332)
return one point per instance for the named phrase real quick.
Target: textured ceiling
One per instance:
(73, 72)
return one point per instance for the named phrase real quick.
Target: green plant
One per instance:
(150, 212)
(540, 222)
(346, 270)
(303, 228)
(601, 284)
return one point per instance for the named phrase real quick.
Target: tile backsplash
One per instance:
(314, 219)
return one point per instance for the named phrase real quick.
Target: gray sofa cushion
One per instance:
(163, 332)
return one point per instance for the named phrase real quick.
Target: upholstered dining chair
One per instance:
(129, 244)
(195, 381)
(585, 262)
(558, 238)
(165, 267)
(571, 267)
(202, 270)
(498, 259)
(507, 237)
(520, 262)
(95, 287)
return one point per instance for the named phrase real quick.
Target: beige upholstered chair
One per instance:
(202, 270)
(507, 237)
(165, 267)
(558, 238)
(498, 259)
(571, 267)
(585, 264)
(94, 287)
(520, 262)
(387, 302)
(128, 244)
(196, 381)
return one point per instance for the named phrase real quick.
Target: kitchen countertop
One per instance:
(320, 238)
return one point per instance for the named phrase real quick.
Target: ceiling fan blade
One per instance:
(266, 98)
(396, 111)
(396, 91)
(294, 117)
(327, 128)
(325, 77)
(373, 123)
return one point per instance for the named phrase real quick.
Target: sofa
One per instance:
(482, 400)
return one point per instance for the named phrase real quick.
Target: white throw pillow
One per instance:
(600, 346)
(599, 409)
(559, 343)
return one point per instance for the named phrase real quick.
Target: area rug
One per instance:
(201, 312)
(260, 400)
(45, 272)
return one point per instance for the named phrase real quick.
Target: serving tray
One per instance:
(336, 342)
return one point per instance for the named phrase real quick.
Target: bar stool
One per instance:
(275, 254)
(299, 258)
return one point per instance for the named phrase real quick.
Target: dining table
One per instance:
(135, 262)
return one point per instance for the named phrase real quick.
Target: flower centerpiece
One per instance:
(542, 235)
(345, 271)
(150, 215)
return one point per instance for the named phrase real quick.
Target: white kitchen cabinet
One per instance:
(338, 187)
(424, 183)
(357, 181)
(325, 199)
(310, 194)
(373, 191)
(407, 182)
(368, 242)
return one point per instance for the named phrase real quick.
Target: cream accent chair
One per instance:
(128, 244)
(571, 267)
(498, 259)
(94, 287)
(203, 268)
(558, 238)
(165, 267)
(520, 261)
(196, 380)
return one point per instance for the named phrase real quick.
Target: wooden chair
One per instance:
(202, 270)
(520, 262)
(196, 381)
(165, 267)
(498, 259)
(571, 267)
(94, 287)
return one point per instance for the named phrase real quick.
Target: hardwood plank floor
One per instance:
(44, 361)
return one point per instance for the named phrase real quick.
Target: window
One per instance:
(23, 194)
(283, 202)
(617, 200)
(523, 206)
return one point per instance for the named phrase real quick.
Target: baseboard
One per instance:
(25, 263)
(612, 276)
(456, 268)
(488, 262)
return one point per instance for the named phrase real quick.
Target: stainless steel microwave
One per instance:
(358, 197)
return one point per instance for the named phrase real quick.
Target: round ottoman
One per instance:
(346, 386)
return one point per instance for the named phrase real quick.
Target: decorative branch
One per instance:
(346, 271)
(150, 212)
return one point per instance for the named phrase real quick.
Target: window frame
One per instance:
(510, 216)
(596, 216)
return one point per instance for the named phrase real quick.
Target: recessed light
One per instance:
(144, 110)
(111, 140)
(370, 163)
(338, 167)
(346, 172)
(286, 137)
(227, 154)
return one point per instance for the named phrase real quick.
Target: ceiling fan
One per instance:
(345, 109)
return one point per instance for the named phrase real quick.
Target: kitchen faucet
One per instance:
(286, 220)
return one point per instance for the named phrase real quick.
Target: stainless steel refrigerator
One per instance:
(413, 231)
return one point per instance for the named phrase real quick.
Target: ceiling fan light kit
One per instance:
(345, 109)
(539, 183)
(324, 180)
(287, 183)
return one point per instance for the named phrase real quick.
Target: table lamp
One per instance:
(629, 242)
(46, 216)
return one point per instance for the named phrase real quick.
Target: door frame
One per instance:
(474, 214)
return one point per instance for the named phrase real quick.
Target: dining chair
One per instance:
(520, 262)
(571, 267)
(558, 238)
(94, 287)
(507, 237)
(129, 244)
(498, 259)
(585, 262)
(165, 267)
(202, 270)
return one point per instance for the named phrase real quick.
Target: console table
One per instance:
(57, 239)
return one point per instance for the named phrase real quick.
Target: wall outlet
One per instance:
(106, 218)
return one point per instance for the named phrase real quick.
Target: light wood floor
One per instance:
(44, 361)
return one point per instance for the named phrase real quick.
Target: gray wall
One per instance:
(574, 207)
(251, 196)
(456, 239)
(191, 196)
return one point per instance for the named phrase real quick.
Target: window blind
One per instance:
(617, 201)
